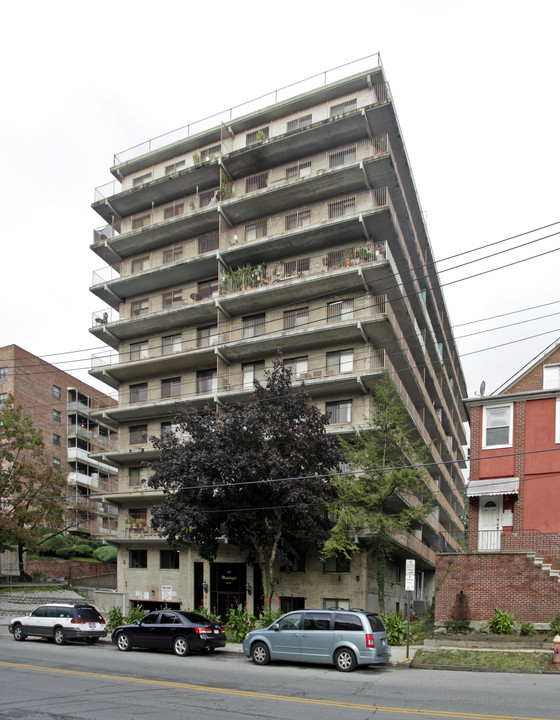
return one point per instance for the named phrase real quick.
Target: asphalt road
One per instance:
(40, 681)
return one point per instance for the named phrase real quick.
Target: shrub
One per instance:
(239, 622)
(114, 618)
(52, 544)
(527, 629)
(106, 553)
(65, 552)
(555, 624)
(136, 613)
(83, 550)
(268, 616)
(212, 616)
(396, 628)
(502, 623)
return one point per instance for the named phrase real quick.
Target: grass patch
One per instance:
(484, 659)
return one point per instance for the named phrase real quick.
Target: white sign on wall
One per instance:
(166, 592)
(409, 577)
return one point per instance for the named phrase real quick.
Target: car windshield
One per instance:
(196, 619)
(88, 613)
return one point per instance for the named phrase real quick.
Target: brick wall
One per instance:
(470, 586)
(67, 569)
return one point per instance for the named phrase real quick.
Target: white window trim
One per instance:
(484, 427)
(557, 426)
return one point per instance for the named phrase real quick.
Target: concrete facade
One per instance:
(296, 227)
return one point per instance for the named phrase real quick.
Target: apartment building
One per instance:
(61, 406)
(290, 224)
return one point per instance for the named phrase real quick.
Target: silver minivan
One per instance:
(344, 638)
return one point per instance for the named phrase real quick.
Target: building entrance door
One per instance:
(228, 586)
(489, 529)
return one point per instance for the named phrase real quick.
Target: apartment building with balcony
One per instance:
(289, 224)
(61, 406)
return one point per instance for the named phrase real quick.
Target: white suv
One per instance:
(61, 622)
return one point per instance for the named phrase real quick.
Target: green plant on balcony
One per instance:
(196, 157)
(362, 254)
(260, 137)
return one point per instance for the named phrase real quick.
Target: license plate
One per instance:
(216, 632)
(92, 625)
(383, 641)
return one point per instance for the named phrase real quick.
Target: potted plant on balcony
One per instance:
(347, 258)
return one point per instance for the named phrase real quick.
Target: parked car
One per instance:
(175, 630)
(344, 638)
(61, 622)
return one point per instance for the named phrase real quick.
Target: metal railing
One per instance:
(275, 96)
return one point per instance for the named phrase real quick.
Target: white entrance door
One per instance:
(489, 530)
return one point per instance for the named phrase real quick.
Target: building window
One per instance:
(206, 336)
(298, 170)
(338, 603)
(208, 242)
(302, 218)
(171, 429)
(135, 476)
(171, 344)
(206, 381)
(3, 373)
(251, 372)
(256, 182)
(299, 123)
(337, 564)
(257, 136)
(173, 210)
(340, 310)
(56, 463)
(169, 559)
(210, 153)
(340, 361)
(340, 411)
(348, 106)
(174, 167)
(207, 288)
(298, 366)
(139, 392)
(343, 156)
(551, 377)
(295, 268)
(141, 179)
(56, 439)
(293, 563)
(141, 264)
(171, 387)
(172, 299)
(138, 434)
(296, 318)
(138, 559)
(141, 221)
(256, 230)
(497, 425)
(140, 307)
(56, 416)
(173, 254)
(254, 325)
(339, 208)
(208, 197)
(3, 398)
(139, 350)
(57, 392)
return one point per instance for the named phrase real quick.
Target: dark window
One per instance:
(138, 559)
(208, 287)
(256, 182)
(339, 208)
(298, 123)
(254, 325)
(173, 254)
(171, 387)
(316, 621)
(56, 416)
(343, 156)
(257, 136)
(342, 108)
(296, 267)
(3, 373)
(206, 336)
(140, 307)
(139, 392)
(342, 621)
(256, 230)
(296, 318)
(340, 411)
(206, 381)
(337, 564)
(376, 622)
(169, 559)
(138, 434)
(57, 392)
(173, 298)
(56, 439)
(208, 242)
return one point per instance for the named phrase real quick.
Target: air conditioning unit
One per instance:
(317, 373)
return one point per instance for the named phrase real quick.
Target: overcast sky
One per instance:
(475, 86)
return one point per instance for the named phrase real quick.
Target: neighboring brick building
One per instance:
(60, 406)
(513, 559)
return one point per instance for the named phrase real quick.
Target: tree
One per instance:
(257, 475)
(384, 492)
(31, 491)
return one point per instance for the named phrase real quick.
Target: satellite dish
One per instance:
(482, 387)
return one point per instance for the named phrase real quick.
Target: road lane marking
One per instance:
(270, 696)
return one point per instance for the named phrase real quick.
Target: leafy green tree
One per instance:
(257, 475)
(384, 493)
(32, 492)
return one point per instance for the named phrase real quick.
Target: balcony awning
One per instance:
(494, 486)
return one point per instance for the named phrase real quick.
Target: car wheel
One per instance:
(260, 654)
(91, 641)
(58, 636)
(123, 642)
(18, 633)
(345, 660)
(181, 646)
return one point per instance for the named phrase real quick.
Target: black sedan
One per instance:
(174, 630)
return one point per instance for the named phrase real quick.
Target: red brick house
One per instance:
(513, 543)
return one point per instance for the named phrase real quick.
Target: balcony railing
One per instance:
(279, 95)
